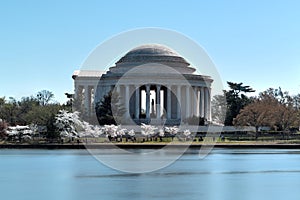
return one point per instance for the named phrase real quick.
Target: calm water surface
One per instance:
(231, 174)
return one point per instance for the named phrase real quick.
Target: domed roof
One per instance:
(152, 50)
(152, 53)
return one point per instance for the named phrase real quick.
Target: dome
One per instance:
(152, 53)
(152, 50)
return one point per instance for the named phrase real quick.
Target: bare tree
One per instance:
(270, 111)
(257, 114)
(286, 117)
(44, 97)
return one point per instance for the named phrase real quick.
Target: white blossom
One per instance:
(110, 130)
(172, 130)
(121, 132)
(148, 130)
(64, 134)
(97, 131)
(187, 133)
(26, 137)
(161, 132)
(19, 131)
(131, 133)
(67, 122)
(34, 129)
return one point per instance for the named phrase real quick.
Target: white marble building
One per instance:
(154, 82)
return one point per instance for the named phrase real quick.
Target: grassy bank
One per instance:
(104, 144)
(223, 139)
(151, 146)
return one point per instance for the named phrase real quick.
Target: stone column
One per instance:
(94, 97)
(76, 91)
(95, 92)
(209, 104)
(158, 102)
(147, 101)
(198, 101)
(195, 105)
(118, 89)
(127, 101)
(188, 101)
(86, 98)
(90, 90)
(169, 103)
(202, 102)
(137, 101)
(206, 96)
(178, 102)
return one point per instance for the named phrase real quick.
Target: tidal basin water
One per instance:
(233, 174)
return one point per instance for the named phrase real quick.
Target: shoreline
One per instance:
(150, 146)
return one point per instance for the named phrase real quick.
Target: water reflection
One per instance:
(224, 174)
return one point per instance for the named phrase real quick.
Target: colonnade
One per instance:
(175, 102)
(86, 94)
(179, 101)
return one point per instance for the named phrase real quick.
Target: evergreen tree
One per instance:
(236, 100)
(109, 110)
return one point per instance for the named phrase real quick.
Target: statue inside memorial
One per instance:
(152, 114)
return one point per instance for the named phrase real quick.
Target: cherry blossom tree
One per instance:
(148, 130)
(131, 133)
(110, 131)
(67, 123)
(172, 131)
(161, 134)
(187, 134)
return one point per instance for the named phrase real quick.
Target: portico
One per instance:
(165, 103)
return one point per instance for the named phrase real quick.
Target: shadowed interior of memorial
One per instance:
(154, 84)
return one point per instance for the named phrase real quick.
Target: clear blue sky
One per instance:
(43, 42)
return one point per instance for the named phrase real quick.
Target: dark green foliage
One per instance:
(9, 110)
(3, 126)
(236, 101)
(109, 110)
(236, 88)
(25, 106)
(31, 110)
(52, 132)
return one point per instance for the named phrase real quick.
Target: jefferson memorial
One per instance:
(154, 84)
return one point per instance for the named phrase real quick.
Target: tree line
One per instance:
(39, 109)
(273, 108)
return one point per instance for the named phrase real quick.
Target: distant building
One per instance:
(154, 83)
